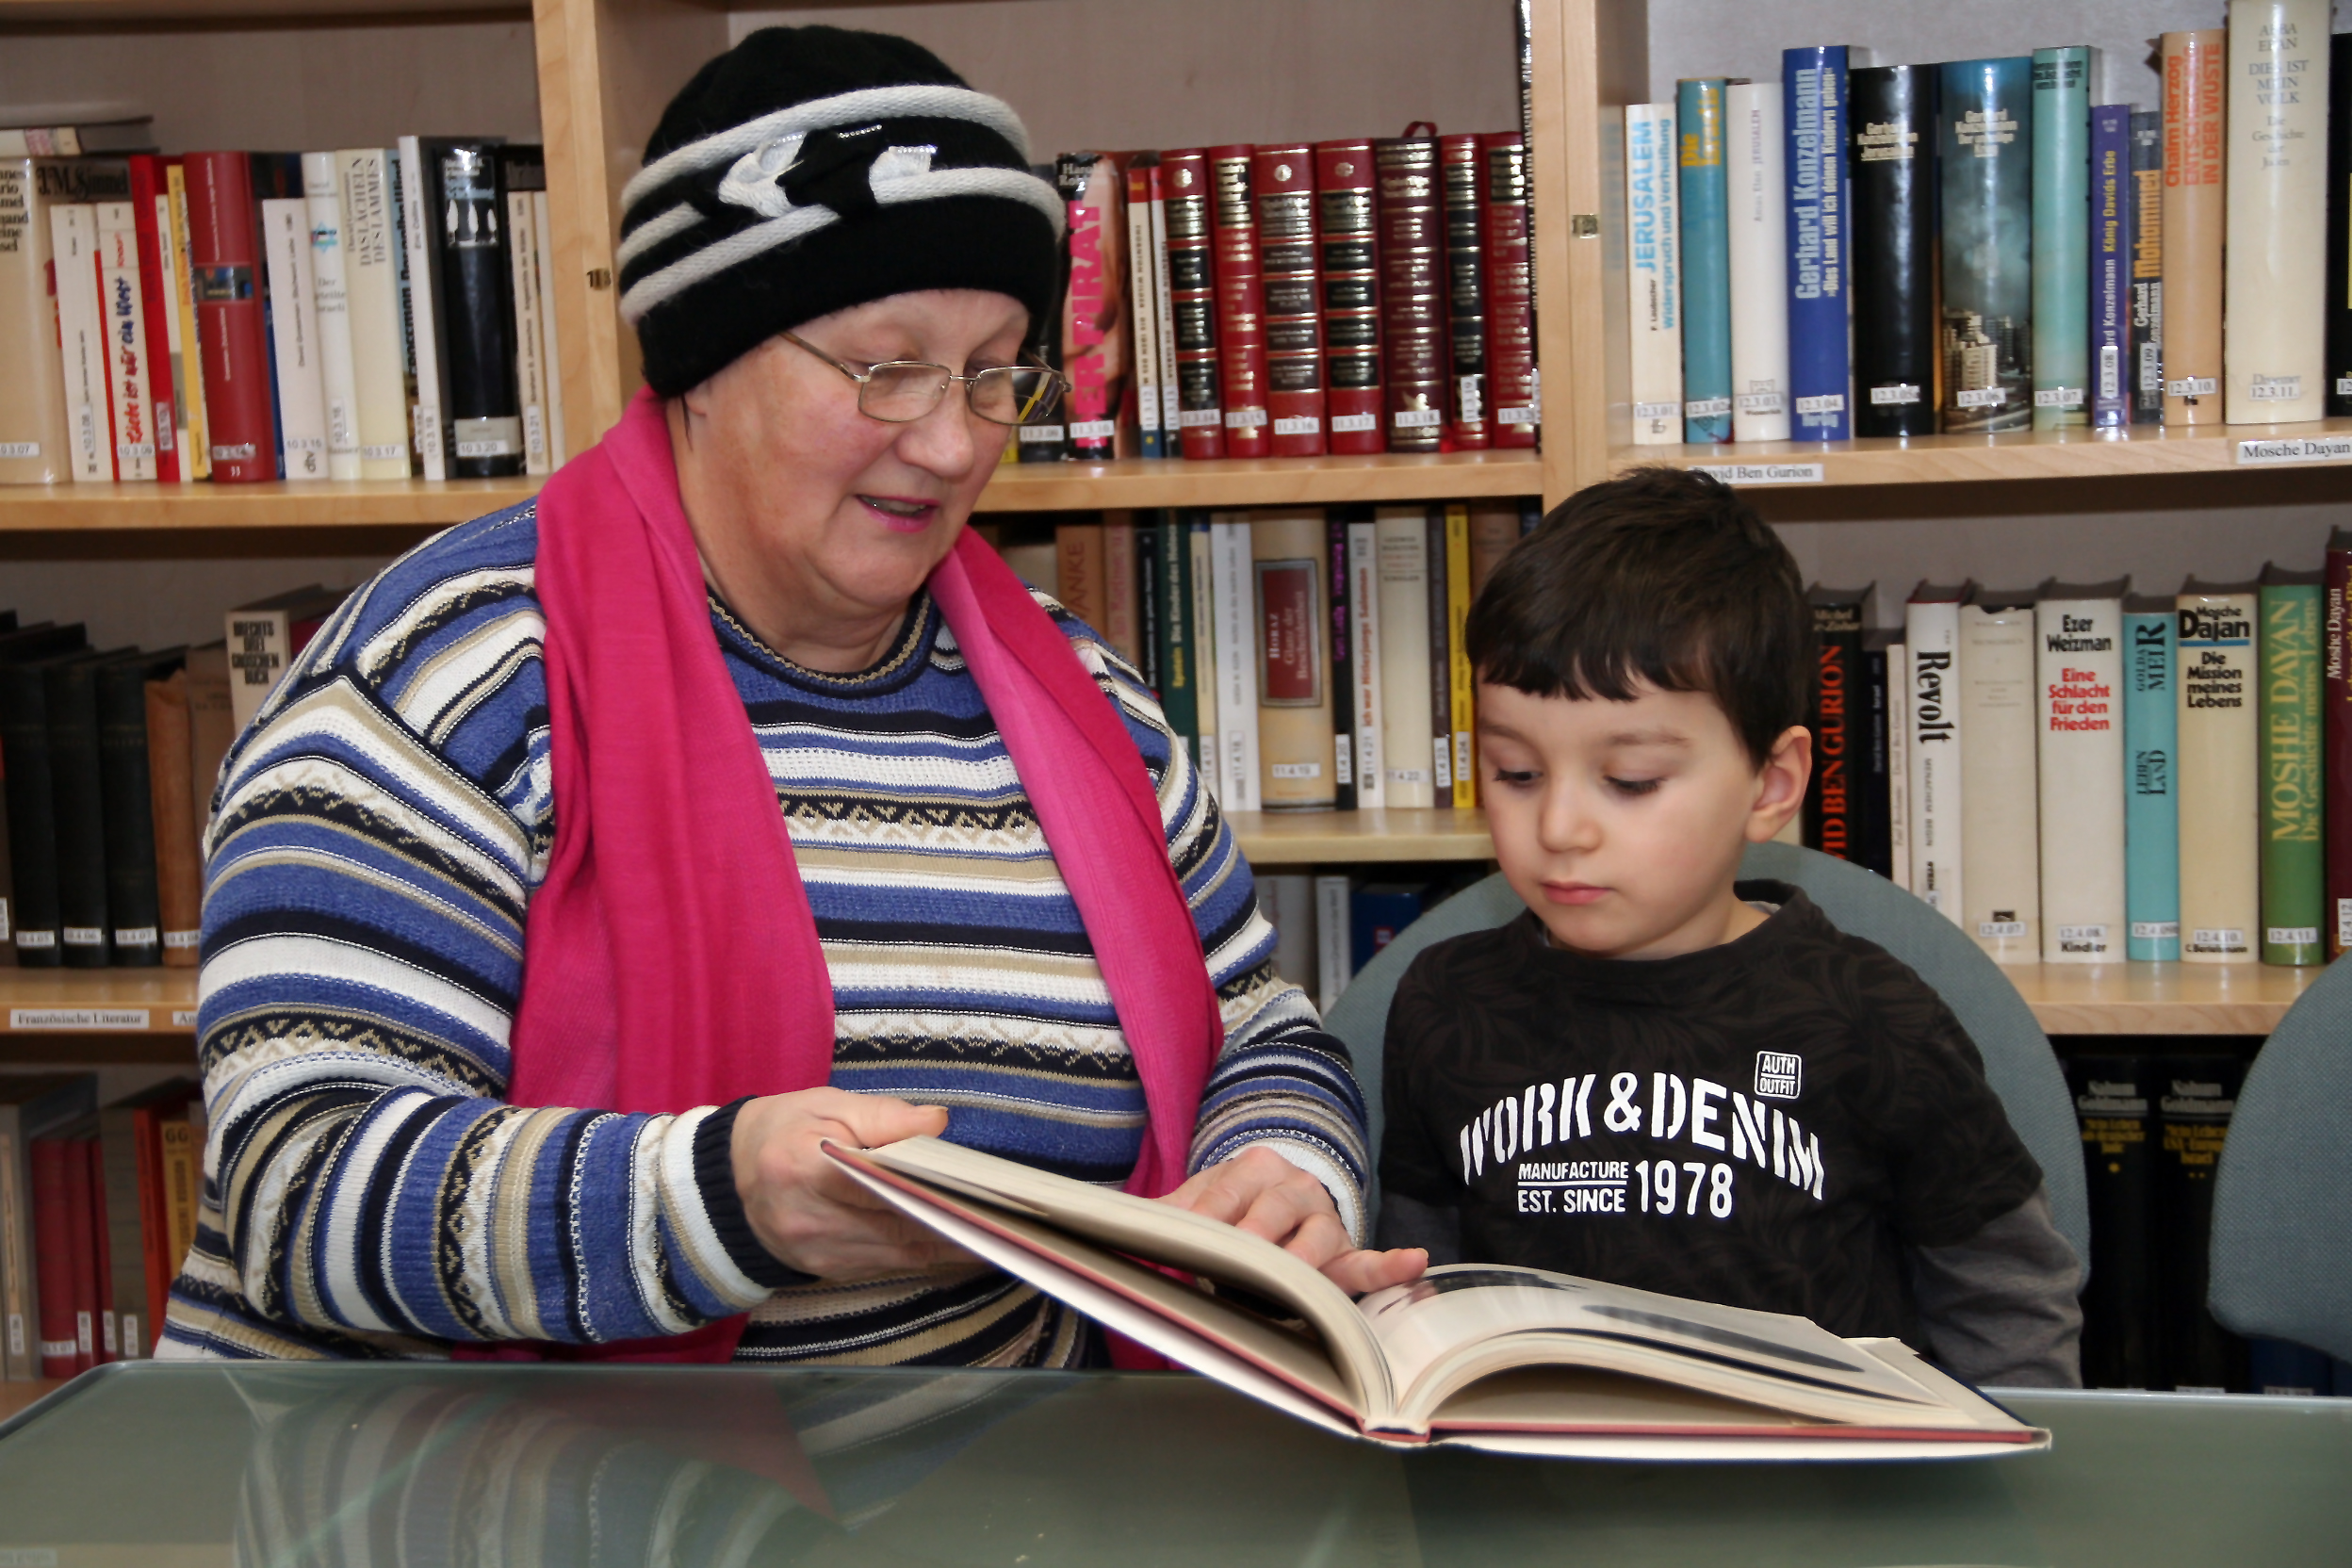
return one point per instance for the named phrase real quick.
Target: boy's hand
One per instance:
(1259, 1192)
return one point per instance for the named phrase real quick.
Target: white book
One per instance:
(1164, 303)
(531, 372)
(553, 361)
(425, 428)
(1759, 262)
(371, 289)
(331, 300)
(1899, 765)
(1363, 663)
(81, 342)
(1932, 636)
(2078, 651)
(2220, 776)
(123, 315)
(1237, 661)
(1653, 277)
(2000, 797)
(1143, 305)
(1334, 940)
(294, 337)
(1289, 905)
(1402, 539)
(2275, 192)
(1204, 658)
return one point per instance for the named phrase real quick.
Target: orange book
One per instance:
(1078, 570)
(2195, 120)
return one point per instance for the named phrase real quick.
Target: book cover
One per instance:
(2000, 794)
(1206, 691)
(331, 305)
(1704, 198)
(134, 900)
(1401, 540)
(80, 344)
(1984, 139)
(1931, 633)
(2115, 1106)
(1288, 900)
(2078, 677)
(35, 430)
(53, 1271)
(2152, 803)
(158, 292)
(2060, 239)
(1078, 576)
(82, 1242)
(1830, 796)
(1346, 219)
(2335, 727)
(1898, 762)
(1147, 593)
(1282, 179)
(1192, 303)
(1441, 660)
(2220, 764)
(195, 444)
(1178, 674)
(1338, 637)
(1368, 701)
(1097, 346)
(225, 267)
(2111, 265)
(1240, 302)
(1334, 944)
(2148, 267)
(1288, 561)
(1510, 370)
(35, 913)
(1143, 307)
(1411, 249)
(179, 860)
(2196, 118)
(2275, 307)
(1123, 622)
(294, 337)
(550, 350)
(1759, 262)
(2195, 1098)
(1873, 841)
(371, 286)
(211, 726)
(523, 174)
(1653, 273)
(1820, 232)
(476, 318)
(1893, 162)
(1469, 425)
(1233, 606)
(123, 324)
(78, 809)
(2337, 277)
(1461, 683)
(2293, 779)
(426, 373)
(31, 1105)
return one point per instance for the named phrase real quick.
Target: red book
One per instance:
(1098, 354)
(2335, 716)
(155, 1213)
(84, 1240)
(106, 1347)
(1192, 298)
(151, 198)
(1352, 296)
(1510, 385)
(1467, 423)
(1240, 305)
(1283, 179)
(53, 1258)
(225, 261)
(1413, 281)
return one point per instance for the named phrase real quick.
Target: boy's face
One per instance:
(1622, 824)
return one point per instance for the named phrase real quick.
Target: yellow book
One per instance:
(196, 462)
(1458, 659)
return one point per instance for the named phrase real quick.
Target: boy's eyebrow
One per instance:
(1660, 736)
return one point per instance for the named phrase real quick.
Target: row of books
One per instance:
(1976, 246)
(1311, 658)
(97, 1208)
(1293, 300)
(369, 313)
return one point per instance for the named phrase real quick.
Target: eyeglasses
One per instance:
(899, 391)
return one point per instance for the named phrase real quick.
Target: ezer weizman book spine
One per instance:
(2148, 267)
(1240, 302)
(1820, 240)
(1653, 282)
(2078, 676)
(1984, 145)
(1192, 303)
(1759, 262)
(1289, 554)
(2293, 796)
(1283, 180)
(1349, 265)
(1830, 798)
(1413, 290)
(2220, 764)
(1893, 162)
(2152, 803)
(2111, 265)
(1469, 424)
(2335, 726)
(2196, 115)
(2337, 283)
(1510, 369)
(2115, 1106)
(1704, 198)
(1932, 636)
(2275, 308)
(2196, 1099)
(2000, 795)
(2061, 174)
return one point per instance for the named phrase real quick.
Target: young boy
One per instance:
(1665, 1077)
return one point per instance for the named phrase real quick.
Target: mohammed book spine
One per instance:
(1282, 183)
(1830, 797)
(371, 286)
(477, 317)
(1893, 163)
(1402, 542)
(1367, 700)
(2078, 677)
(1759, 263)
(1985, 140)
(196, 446)
(331, 307)
(2294, 794)
(2195, 1098)
(80, 347)
(1899, 763)
(1653, 273)
(179, 862)
(2275, 308)
(1233, 606)
(1703, 197)
(2111, 266)
(294, 338)
(1192, 294)
(1199, 580)
(33, 430)
(1287, 562)
(1240, 302)
(2196, 118)
(2220, 762)
(2337, 280)
(1342, 662)
(428, 381)
(1931, 633)
(226, 264)
(2061, 241)
(2148, 267)
(1441, 745)
(1098, 351)
(524, 174)
(2115, 1106)
(1143, 320)
(151, 223)
(1821, 236)
(123, 326)
(1999, 798)
(1469, 425)
(1179, 673)
(2335, 725)
(1411, 245)
(2151, 799)
(1511, 372)
(1461, 682)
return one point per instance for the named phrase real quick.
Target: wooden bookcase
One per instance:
(1143, 72)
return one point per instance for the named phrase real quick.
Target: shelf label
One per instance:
(183, 1018)
(1761, 473)
(2299, 448)
(85, 1020)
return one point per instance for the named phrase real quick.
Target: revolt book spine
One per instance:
(1759, 263)
(1349, 265)
(1192, 303)
(2111, 266)
(1653, 274)
(1702, 196)
(1283, 180)
(1893, 154)
(1984, 148)
(2337, 279)
(1293, 667)
(2293, 865)
(2275, 307)
(2062, 174)
(2148, 268)
(2078, 676)
(1240, 302)
(1413, 300)
(1469, 425)
(2151, 805)
(225, 264)
(2335, 723)
(1932, 634)
(1821, 236)
(1511, 371)
(2196, 117)
(2000, 797)
(2220, 764)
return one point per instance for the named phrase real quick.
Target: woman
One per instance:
(526, 1009)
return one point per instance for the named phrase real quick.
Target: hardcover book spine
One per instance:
(1143, 291)
(1403, 543)
(2276, 308)
(1237, 656)
(331, 301)
(1177, 665)
(81, 344)
(1470, 424)
(2115, 1106)
(2293, 865)
(1894, 225)
(1820, 321)
(1412, 301)
(2336, 736)
(1343, 668)
(1653, 274)
(1899, 765)
(32, 817)
(2061, 172)
(19, 1299)
(1096, 353)
(33, 424)
(122, 321)
(371, 284)
(2337, 282)
(2151, 805)
(484, 419)
(1759, 263)
(126, 792)
(1441, 667)
(294, 338)
(1510, 375)
(1078, 570)
(428, 374)
(1705, 269)
(1121, 620)
(1985, 142)
(2111, 265)
(1240, 304)
(1368, 700)
(1932, 632)
(1829, 797)
(2080, 673)
(53, 1261)
(1146, 548)
(1293, 670)
(531, 369)
(543, 246)
(83, 1238)
(179, 860)
(1461, 694)
(2196, 1097)
(2220, 812)
(1197, 582)
(225, 264)
(1192, 295)
(2196, 113)
(1999, 797)
(196, 445)
(1873, 851)
(80, 813)
(1335, 957)
(1283, 180)
(1163, 307)
(159, 317)
(2148, 268)
(1350, 265)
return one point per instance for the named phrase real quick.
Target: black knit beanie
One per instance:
(810, 169)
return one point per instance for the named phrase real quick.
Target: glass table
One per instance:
(515, 1466)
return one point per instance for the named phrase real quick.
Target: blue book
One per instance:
(1985, 166)
(2151, 801)
(2113, 201)
(1821, 358)
(1377, 912)
(1705, 262)
(2062, 180)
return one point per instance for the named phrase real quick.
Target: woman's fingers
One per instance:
(805, 1208)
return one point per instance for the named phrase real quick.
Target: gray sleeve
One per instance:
(2000, 1309)
(1409, 1222)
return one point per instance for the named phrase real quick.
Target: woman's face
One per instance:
(810, 515)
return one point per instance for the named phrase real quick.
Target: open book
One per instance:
(1514, 1359)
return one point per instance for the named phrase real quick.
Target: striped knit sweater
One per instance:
(377, 837)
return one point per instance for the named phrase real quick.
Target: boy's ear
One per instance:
(1780, 783)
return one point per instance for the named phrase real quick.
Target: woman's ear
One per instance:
(1780, 783)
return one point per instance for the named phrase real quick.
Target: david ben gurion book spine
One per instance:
(1832, 801)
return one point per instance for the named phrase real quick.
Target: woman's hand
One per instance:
(804, 1207)
(1261, 1192)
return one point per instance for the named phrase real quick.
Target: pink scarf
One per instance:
(671, 957)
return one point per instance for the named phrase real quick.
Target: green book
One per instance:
(1179, 669)
(2294, 801)
(2062, 236)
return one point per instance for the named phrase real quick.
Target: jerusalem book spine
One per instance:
(2275, 308)
(2111, 266)
(1178, 666)
(2195, 1098)
(2062, 175)
(1705, 260)
(1343, 659)
(477, 316)
(2079, 676)
(2195, 116)
(2335, 723)
(1349, 268)
(1240, 302)
(151, 217)
(1931, 633)
(1469, 422)
(1893, 162)
(2000, 797)
(1098, 351)
(371, 282)
(2337, 216)
(80, 812)
(2113, 1105)
(1282, 179)
(2293, 805)
(1404, 657)
(2220, 765)
(1984, 145)
(1821, 236)
(1368, 648)
(2152, 803)
(1830, 797)
(1759, 262)
(1511, 372)
(1412, 243)
(331, 303)
(1192, 303)
(123, 312)
(133, 894)
(1143, 307)
(2148, 267)
(1653, 274)
(1292, 667)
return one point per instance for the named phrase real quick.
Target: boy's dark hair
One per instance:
(1659, 575)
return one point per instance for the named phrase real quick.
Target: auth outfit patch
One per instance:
(1779, 1075)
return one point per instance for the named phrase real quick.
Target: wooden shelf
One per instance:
(1307, 837)
(53, 15)
(324, 504)
(1263, 482)
(87, 1002)
(2159, 999)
